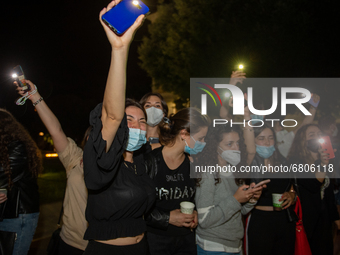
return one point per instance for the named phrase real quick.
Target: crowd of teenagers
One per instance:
(126, 181)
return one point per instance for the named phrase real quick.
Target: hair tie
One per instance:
(167, 121)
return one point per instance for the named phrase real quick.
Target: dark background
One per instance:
(64, 51)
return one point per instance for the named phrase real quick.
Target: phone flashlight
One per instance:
(321, 140)
(240, 67)
(136, 3)
(14, 76)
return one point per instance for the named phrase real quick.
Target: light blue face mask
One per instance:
(256, 118)
(264, 151)
(199, 146)
(136, 139)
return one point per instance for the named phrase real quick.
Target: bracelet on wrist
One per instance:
(38, 101)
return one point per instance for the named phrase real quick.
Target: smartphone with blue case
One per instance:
(123, 15)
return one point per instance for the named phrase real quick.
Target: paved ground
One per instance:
(49, 214)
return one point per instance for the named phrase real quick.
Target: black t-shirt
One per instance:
(119, 192)
(172, 188)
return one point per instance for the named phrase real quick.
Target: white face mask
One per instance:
(280, 136)
(154, 116)
(335, 132)
(231, 156)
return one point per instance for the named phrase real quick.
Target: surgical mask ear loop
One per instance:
(22, 100)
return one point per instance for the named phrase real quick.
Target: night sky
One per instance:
(63, 49)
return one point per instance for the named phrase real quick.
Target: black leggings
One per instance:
(65, 249)
(97, 248)
(270, 233)
(172, 245)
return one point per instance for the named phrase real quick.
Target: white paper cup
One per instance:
(276, 203)
(187, 207)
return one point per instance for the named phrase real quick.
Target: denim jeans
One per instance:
(200, 251)
(24, 226)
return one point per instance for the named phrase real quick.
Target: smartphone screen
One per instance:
(326, 144)
(20, 79)
(123, 15)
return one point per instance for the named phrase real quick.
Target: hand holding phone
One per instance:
(19, 76)
(261, 183)
(314, 100)
(123, 41)
(123, 15)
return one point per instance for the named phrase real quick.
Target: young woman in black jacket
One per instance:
(315, 190)
(169, 230)
(20, 163)
(119, 190)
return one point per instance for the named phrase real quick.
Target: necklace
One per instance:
(153, 140)
(131, 167)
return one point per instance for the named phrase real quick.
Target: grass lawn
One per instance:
(52, 181)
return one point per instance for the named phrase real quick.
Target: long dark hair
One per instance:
(209, 154)
(299, 150)
(189, 119)
(11, 130)
(131, 102)
(164, 104)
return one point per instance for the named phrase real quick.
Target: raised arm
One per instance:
(114, 96)
(236, 77)
(48, 118)
(249, 137)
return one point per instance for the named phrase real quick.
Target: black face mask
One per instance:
(313, 145)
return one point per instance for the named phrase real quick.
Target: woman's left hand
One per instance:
(3, 198)
(287, 198)
(195, 221)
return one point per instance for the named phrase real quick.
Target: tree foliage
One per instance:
(199, 38)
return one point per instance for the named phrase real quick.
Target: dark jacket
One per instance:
(155, 218)
(313, 206)
(24, 183)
